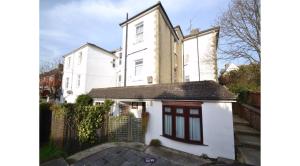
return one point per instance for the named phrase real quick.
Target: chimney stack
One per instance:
(194, 31)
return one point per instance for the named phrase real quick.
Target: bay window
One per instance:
(183, 123)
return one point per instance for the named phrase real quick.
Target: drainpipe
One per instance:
(126, 38)
(171, 52)
(198, 59)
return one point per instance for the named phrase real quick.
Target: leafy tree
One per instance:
(246, 78)
(84, 100)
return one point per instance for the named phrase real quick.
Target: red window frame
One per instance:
(186, 114)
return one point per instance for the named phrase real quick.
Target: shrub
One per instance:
(84, 100)
(155, 142)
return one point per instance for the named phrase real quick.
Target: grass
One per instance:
(50, 151)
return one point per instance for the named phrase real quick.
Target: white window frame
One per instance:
(138, 65)
(69, 62)
(79, 58)
(67, 82)
(139, 32)
(78, 80)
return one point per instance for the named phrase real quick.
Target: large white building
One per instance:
(85, 68)
(188, 110)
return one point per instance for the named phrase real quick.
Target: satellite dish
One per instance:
(69, 92)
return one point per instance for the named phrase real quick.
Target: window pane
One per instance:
(167, 109)
(168, 125)
(194, 129)
(179, 110)
(138, 67)
(194, 111)
(179, 127)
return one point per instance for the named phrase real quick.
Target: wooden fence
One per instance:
(121, 128)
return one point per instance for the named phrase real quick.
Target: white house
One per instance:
(193, 117)
(87, 67)
(149, 49)
(155, 52)
(200, 55)
(229, 67)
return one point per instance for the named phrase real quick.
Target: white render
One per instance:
(136, 50)
(218, 134)
(207, 54)
(95, 70)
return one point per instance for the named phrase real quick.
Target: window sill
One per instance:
(184, 141)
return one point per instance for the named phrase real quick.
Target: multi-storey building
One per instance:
(87, 67)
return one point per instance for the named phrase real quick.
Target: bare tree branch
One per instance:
(240, 31)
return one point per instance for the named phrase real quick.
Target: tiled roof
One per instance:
(200, 90)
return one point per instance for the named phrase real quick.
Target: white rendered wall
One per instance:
(207, 64)
(217, 130)
(140, 50)
(100, 72)
(72, 73)
(95, 71)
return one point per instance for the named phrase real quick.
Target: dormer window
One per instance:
(139, 32)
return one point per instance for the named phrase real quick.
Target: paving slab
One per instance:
(238, 120)
(56, 162)
(116, 156)
(250, 155)
(240, 129)
(177, 157)
(248, 140)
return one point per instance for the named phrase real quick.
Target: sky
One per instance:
(67, 24)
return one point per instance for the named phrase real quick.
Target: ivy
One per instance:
(87, 118)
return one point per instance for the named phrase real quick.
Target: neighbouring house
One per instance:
(200, 55)
(50, 83)
(228, 67)
(87, 67)
(193, 117)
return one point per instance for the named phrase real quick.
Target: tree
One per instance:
(246, 78)
(49, 65)
(240, 31)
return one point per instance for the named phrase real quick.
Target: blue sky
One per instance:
(67, 24)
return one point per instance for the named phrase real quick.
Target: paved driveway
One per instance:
(121, 156)
(129, 154)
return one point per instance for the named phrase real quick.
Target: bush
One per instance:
(155, 142)
(84, 100)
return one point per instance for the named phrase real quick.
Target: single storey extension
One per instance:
(193, 117)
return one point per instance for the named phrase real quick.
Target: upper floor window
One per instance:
(67, 82)
(69, 62)
(138, 67)
(139, 32)
(79, 58)
(114, 63)
(120, 59)
(120, 78)
(78, 80)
